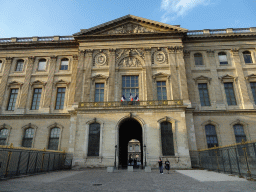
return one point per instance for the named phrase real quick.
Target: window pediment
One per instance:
(227, 78)
(202, 79)
(38, 82)
(161, 75)
(62, 82)
(99, 76)
(15, 83)
(251, 77)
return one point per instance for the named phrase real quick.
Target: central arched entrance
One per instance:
(129, 129)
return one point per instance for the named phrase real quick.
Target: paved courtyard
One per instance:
(121, 180)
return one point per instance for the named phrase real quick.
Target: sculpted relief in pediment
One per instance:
(129, 62)
(129, 57)
(130, 28)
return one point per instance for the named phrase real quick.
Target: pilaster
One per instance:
(149, 80)
(4, 80)
(174, 78)
(73, 80)
(25, 87)
(49, 84)
(112, 70)
(79, 77)
(87, 75)
(241, 82)
(216, 101)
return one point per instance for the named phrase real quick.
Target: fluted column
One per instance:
(149, 79)
(49, 84)
(218, 103)
(241, 82)
(79, 77)
(182, 78)
(87, 76)
(112, 75)
(4, 80)
(73, 80)
(174, 77)
(25, 87)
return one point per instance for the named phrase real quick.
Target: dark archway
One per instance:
(128, 129)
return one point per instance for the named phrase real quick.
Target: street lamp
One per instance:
(145, 147)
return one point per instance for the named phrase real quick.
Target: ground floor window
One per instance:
(167, 139)
(94, 139)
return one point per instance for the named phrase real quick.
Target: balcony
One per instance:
(129, 104)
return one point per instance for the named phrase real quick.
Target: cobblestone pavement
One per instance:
(121, 180)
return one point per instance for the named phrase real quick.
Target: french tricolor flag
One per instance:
(123, 98)
(131, 98)
(136, 98)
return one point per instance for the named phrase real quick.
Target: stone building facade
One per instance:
(196, 89)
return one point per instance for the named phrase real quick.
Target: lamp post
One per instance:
(115, 155)
(145, 147)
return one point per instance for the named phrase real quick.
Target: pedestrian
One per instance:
(167, 165)
(160, 162)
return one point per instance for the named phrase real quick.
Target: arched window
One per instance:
(42, 65)
(167, 139)
(1, 62)
(28, 137)
(3, 136)
(239, 133)
(211, 136)
(223, 58)
(94, 139)
(247, 57)
(54, 139)
(19, 65)
(198, 59)
(64, 64)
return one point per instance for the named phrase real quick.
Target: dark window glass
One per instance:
(230, 95)
(60, 98)
(28, 137)
(64, 64)
(240, 135)
(198, 59)
(161, 90)
(36, 99)
(94, 139)
(12, 99)
(247, 57)
(3, 136)
(54, 139)
(211, 136)
(19, 65)
(223, 58)
(1, 64)
(253, 87)
(130, 84)
(99, 92)
(41, 65)
(167, 139)
(203, 93)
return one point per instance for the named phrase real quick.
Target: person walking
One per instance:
(167, 165)
(160, 162)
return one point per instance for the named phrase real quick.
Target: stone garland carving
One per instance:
(130, 28)
(129, 52)
(129, 62)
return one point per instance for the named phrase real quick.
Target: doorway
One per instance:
(129, 130)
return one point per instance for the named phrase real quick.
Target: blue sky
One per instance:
(26, 18)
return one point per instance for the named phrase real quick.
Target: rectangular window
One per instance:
(99, 92)
(230, 95)
(253, 87)
(19, 65)
(60, 98)
(130, 84)
(167, 139)
(161, 90)
(36, 99)
(203, 93)
(12, 99)
(94, 139)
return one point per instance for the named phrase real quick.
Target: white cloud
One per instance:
(179, 7)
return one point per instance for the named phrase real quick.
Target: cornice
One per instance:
(35, 116)
(226, 112)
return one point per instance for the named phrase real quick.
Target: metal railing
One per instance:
(129, 103)
(16, 161)
(237, 159)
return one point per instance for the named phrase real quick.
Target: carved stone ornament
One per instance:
(227, 78)
(159, 57)
(129, 62)
(202, 78)
(130, 28)
(129, 52)
(100, 59)
(251, 77)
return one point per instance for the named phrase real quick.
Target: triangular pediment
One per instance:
(130, 24)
